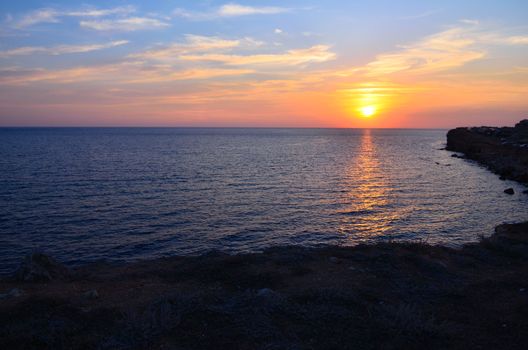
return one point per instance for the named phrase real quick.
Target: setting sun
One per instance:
(367, 111)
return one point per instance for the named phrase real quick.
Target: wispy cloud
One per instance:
(314, 54)
(196, 44)
(220, 51)
(125, 24)
(118, 73)
(94, 12)
(451, 48)
(110, 19)
(39, 16)
(448, 49)
(60, 49)
(196, 57)
(50, 15)
(472, 22)
(231, 10)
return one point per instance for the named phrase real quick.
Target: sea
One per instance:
(123, 194)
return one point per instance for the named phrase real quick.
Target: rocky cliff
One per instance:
(503, 150)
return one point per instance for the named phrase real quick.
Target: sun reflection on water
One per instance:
(370, 210)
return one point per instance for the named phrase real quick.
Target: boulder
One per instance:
(13, 293)
(334, 260)
(38, 267)
(266, 292)
(91, 294)
(509, 191)
(522, 125)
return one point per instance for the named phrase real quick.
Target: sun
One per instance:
(368, 111)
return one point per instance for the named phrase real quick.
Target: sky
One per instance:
(389, 64)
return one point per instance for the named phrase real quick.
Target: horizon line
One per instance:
(209, 127)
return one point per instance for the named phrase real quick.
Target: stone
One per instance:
(266, 292)
(522, 125)
(91, 294)
(334, 260)
(509, 191)
(13, 293)
(38, 267)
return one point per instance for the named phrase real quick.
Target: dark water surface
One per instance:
(127, 193)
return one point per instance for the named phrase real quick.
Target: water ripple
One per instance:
(89, 194)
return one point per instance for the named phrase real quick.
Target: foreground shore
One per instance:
(388, 296)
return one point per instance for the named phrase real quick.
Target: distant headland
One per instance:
(504, 150)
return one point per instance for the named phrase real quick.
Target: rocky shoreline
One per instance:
(382, 296)
(389, 296)
(503, 150)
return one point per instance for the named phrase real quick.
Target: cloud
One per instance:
(231, 10)
(448, 49)
(39, 16)
(125, 24)
(132, 72)
(59, 50)
(195, 44)
(94, 12)
(451, 48)
(110, 19)
(518, 40)
(50, 15)
(218, 51)
(278, 31)
(495, 39)
(314, 54)
(472, 22)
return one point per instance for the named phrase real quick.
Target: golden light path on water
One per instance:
(370, 210)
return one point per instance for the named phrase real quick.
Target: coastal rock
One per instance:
(509, 191)
(13, 293)
(335, 260)
(38, 267)
(522, 125)
(502, 150)
(91, 294)
(266, 293)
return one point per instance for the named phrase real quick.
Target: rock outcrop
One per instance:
(503, 150)
(38, 267)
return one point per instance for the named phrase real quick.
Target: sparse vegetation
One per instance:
(384, 296)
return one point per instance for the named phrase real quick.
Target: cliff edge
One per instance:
(504, 150)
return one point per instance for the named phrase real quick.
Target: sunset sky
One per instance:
(315, 63)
